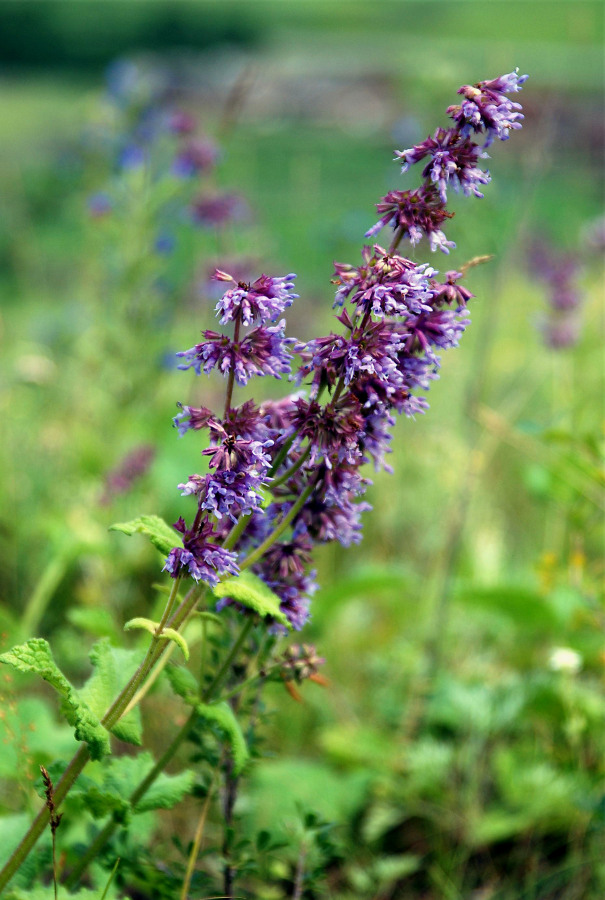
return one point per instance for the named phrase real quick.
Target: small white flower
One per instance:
(564, 659)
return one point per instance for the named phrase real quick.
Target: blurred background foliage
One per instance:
(458, 751)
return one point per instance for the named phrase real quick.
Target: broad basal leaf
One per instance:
(113, 667)
(249, 590)
(35, 656)
(156, 529)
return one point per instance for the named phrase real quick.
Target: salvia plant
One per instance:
(276, 478)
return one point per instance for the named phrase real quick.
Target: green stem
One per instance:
(282, 454)
(220, 676)
(278, 531)
(43, 593)
(137, 795)
(82, 755)
(293, 468)
(140, 791)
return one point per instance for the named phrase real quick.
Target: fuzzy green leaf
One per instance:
(249, 590)
(120, 778)
(168, 634)
(166, 791)
(113, 667)
(183, 682)
(35, 657)
(156, 529)
(222, 715)
(140, 622)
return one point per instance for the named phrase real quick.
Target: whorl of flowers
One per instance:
(287, 475)
(452, 157)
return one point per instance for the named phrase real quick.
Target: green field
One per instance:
(452, 754)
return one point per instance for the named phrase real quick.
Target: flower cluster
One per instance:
(559, 272)
(287, 475)
(452, 158)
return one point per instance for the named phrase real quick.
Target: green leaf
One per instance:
(182, 682)
(121, 777)
(156, 529)
(35, 657)
(250, 591)
(113, 667)
(222, 715)
(166, 791)
(172, 635)
(140, 622)
(96, 620)
(168, 634)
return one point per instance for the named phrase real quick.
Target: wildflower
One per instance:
(419, 213)
(386, 284)
(453, 160)
(204, 559)
(564, 659)
(265, 299)
(486, 108)
(263, 351)
(196, 156)
(219, 210)
(181, 122)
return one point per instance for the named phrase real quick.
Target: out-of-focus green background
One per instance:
(452, 751)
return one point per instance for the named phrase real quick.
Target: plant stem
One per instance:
(155, 651)
(141, 789)
(43, 593)
(138, 793)
(197, 840)
(220, 676)
(278, 531)
(293, 468)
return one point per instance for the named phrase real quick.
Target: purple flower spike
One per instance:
(219, 210)
(486, 108)
(197, 156)
(264, 351)
(386, 284)
(266, 299)
(453, 160)
(418, 213)
(204, 560)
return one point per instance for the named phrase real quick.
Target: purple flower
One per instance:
(329, 429)
(451, 293)
(226, 493)
(439, 328)
(230, 452)
(373, 352)
(265, 299)
(191, 417)
(386, 283)
(219, 210)
(453, 160)
(418, 214)
(204, 560)
(181, 122)
(198, 155)
(375, 437)
(264, 351)
(99, 205)
(486, 108)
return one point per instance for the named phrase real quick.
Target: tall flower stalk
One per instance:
(285, 475)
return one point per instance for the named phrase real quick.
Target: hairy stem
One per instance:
(155, 651)
(139, 792)
(278, 531)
